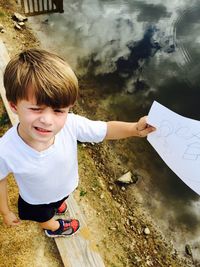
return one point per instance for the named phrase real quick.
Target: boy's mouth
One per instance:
(42, 130)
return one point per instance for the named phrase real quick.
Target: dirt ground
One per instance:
(117, 230)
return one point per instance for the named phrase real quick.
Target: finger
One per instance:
(146, 131)
(149, 125)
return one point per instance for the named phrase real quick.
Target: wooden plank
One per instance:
(28, 6)
(38, 5)
(4, 58)
(48, 5)
(40, 13)
(52, 6)
(33, 5)
(77, 250)
(42, 4)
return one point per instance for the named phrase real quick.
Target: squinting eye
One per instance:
(58, 111)
(35, 109)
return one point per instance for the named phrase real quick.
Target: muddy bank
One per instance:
(117, 224)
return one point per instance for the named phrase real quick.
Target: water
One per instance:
(137, 52)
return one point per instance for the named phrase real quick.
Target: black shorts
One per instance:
(37, 213)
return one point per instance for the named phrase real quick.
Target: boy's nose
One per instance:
(46, 118)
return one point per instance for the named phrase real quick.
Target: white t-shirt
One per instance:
(50, 175)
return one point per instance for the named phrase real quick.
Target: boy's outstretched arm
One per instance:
(9, 217)
(119, 129)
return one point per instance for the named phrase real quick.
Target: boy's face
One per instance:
(39, 124)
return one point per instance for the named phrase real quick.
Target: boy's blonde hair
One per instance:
(41, 74)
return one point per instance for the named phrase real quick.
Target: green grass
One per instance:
(82, 193)
(2, 14)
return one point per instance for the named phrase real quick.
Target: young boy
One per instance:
(41, 151)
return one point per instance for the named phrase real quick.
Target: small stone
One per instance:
(131, 218)
(139, 232)
(102, 196)
(138, 259)
(21, 24)
(118, 205)
(1, 27)
(121, 209)
(132, 245)
(149, 263)
(126, 178)
(146, 231)
(123, 188)
(16, 26)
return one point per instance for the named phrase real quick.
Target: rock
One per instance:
(138, 259)
(126, 178)
(147, 231)
(131, 218)
(188, 250)
(1, 27)
(17, 26)
(18, 17)
(118, 205)
(122, 209)
(21, 24)
(113, 228)
(102, 196)
(149, 263)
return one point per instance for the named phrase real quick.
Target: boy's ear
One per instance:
(13, 107)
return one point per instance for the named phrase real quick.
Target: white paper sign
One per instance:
(177, 141)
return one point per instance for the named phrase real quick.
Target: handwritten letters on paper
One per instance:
(177, 141)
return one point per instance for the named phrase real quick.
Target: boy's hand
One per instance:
(143, 129)
(10, 219)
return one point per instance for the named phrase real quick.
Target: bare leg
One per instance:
(52, 225)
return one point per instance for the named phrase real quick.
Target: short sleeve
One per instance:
(89, 130)
(4, 170)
